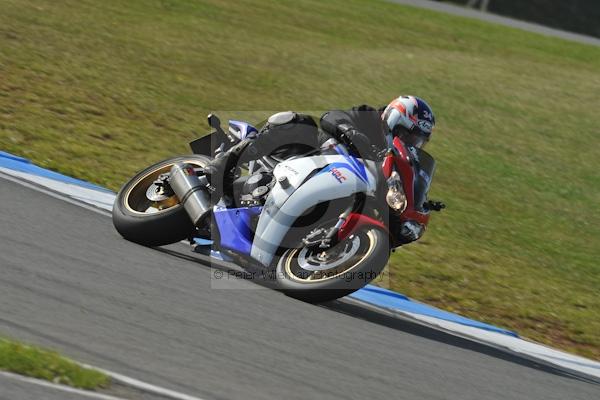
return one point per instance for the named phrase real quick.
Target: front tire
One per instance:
(357, 261)
(148, 223)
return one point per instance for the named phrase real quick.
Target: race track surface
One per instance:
(71, 283)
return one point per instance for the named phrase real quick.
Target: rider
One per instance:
(411, 120)
(371, 133)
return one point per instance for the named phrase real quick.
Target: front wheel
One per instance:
(154, 222)
(314, 275)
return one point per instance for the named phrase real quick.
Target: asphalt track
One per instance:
(498, 19)
(70, 282)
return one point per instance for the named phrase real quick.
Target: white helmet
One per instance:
(411, 119)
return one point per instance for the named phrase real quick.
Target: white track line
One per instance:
(567, 363)
(143, 386)
(54, 194)
(54, 386)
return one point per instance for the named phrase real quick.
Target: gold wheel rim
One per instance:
(335, 274)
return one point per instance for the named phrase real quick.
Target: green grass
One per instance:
(100, 89)
(49, 365)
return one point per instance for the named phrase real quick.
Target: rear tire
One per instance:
(370, 255)
(135, 223)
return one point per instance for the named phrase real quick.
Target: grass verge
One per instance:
(100, 89)
(49, 365)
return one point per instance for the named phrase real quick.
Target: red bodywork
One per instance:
(403, 165)
(407, 175)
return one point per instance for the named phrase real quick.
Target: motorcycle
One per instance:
(316, 222)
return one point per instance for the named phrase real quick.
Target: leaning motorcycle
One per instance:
(314, 220)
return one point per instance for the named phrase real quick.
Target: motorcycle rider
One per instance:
(410, 119)
(370, 132)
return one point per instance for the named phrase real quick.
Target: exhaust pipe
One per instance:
(190, 191)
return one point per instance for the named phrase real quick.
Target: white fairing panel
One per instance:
(329, 177)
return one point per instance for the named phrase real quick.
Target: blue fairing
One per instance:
(235, 227)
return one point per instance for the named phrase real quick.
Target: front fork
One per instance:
(355, 222)
(349, 221)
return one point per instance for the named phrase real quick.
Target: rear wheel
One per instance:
(150, 214)
(315, 275)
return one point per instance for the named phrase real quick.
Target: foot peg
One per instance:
(191, 192)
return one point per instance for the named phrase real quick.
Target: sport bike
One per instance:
(315, 221)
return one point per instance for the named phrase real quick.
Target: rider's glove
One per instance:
(347, 134)
(411, 230)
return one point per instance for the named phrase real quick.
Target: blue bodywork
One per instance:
(243, 129)
(235, 224)
(235, 227)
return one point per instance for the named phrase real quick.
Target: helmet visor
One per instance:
(416, 139)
